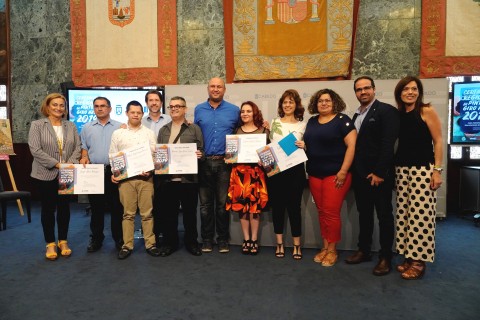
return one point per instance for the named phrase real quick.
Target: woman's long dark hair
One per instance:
(419, 104)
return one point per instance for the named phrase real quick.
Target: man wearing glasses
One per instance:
(377, 124)
(176, 190)
(96, 136)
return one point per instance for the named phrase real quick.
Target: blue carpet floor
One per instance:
(226, 286)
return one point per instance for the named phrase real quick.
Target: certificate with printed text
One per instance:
(242, 148)
(77, 179)
(274, 159)
(178, 158)
(132, 161)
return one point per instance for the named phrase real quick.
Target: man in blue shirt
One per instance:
(216, 118)
(96, 137)
(155, 120)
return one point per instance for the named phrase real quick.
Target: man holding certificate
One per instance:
(96, 137)
(137, 191)
(179, 189)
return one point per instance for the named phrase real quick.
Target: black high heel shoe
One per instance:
(246, 247)
(297, 253)
(254, 248)
(280, 252)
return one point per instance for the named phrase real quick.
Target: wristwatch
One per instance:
(439, 169)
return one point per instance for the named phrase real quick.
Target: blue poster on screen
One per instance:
(466, 113)
(80, 103)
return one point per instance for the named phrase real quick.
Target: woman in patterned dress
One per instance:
(418, 176)
(247, 193)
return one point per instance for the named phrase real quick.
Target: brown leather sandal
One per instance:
(405, 265)
(330, 259)
(416, 271)
(320, 256)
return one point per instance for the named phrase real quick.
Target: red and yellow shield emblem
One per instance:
(121, 12)
(292, 11)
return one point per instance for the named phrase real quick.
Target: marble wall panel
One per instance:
(392, 9)
(41, 57)
(388, 39)
(200, 14)
(201, 41)
(201, 57)
(26, 108)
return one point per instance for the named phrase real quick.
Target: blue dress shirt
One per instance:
(155, 126)
(96, 140)
(216, 123)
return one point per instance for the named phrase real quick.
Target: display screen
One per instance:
(80, 103)
(465, 113)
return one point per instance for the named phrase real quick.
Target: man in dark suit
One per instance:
(377, 124)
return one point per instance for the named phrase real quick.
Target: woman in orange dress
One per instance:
(247, 193)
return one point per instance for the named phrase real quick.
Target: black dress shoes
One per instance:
(383, 267)
(194, 249)
(153, 251)
(94, 246)
(124, 253)
(358, 257)
(166, 250)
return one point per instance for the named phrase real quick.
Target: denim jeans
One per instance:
(214, 178)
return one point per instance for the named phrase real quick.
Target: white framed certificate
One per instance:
(177, 158)
(77, 179)
(131, 162)
(242, 148)
(274, 158)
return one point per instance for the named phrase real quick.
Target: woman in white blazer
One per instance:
(53, 140)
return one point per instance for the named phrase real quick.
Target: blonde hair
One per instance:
(48, 99)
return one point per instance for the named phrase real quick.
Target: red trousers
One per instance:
(328, 200)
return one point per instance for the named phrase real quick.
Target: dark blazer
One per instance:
(44, 148)
(191, 134)
(374, 149)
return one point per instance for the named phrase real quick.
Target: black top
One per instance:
(415, 147)
(325, 145)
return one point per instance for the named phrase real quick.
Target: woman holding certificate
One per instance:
(286, 188)
(53, 140)
(247, 193)
(330, 139)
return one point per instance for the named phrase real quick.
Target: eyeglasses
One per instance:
(358, 90)
(56, 105)
(326, 101)
(174, 107)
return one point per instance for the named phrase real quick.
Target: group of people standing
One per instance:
(341, 152)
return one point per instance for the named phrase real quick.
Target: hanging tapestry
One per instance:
(124, 42)
(450, 45)
(292, 39)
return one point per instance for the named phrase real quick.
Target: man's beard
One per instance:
(216, 99)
